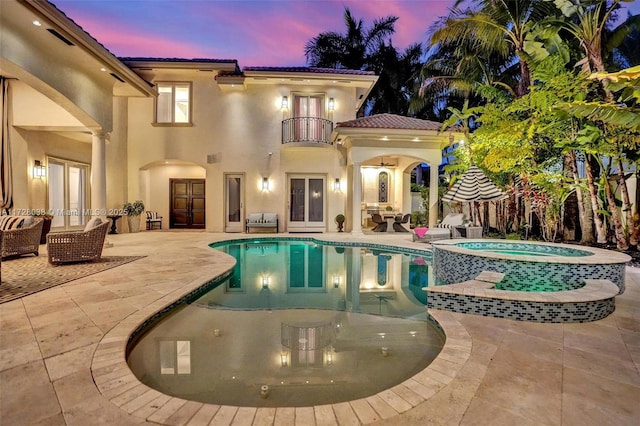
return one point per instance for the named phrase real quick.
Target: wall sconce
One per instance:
(265, 283)
(38, 170)
(336, 185)
(329, 358)
(283, 359)
(265, 183)
(336, 281)
(332, 104)
(285, 102)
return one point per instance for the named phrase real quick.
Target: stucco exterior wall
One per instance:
(243, 131)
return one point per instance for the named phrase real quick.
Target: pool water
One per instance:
(316, 324)
(523, 249)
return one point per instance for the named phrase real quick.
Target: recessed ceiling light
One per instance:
(103, 69)
(37, 23)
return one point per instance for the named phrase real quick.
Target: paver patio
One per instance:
(517, 372)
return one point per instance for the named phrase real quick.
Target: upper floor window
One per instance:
(173, 104)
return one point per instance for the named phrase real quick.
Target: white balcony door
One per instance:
(68, 193)
(307, 203)
(234, 204)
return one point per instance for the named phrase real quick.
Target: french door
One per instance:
(68, 193)
(187, 204)
(307, 109)
(307, 203)
(234, 204)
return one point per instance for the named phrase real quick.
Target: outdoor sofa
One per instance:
(262, 221)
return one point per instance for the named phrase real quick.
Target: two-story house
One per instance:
(204, 142)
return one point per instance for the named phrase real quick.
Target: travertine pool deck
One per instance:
(497, 372)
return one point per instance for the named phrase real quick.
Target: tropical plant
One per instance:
(370, 49)
(133, 209)
(497, 29)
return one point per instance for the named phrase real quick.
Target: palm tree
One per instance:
(494, 28)
(352, 50)
(588, 24)
(371, 49)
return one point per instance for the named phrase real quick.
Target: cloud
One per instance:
(256, 32)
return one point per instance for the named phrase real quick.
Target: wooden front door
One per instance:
(187, 204)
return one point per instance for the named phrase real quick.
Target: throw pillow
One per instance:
(420, 232)
(96, 221)
(11, 222)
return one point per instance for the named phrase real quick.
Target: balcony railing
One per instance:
(311, 130)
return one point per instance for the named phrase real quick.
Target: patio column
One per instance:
(356, 199)
(433, 195)
(98, 174)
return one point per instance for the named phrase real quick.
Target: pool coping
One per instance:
(599, 256)
(593, 290)
(117, 383)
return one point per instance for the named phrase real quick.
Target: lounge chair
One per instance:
(78, 246)
(443, 230)
(20, 235)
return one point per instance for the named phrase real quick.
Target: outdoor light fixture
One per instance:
(285, 102)
(336, 185)
(332, 104)
(336, 281)
(265, 283)
(265, 183)
(38, 170)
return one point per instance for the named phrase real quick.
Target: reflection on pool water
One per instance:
(317, 324)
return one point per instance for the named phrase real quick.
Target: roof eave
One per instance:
(80, 38)
(188, 65)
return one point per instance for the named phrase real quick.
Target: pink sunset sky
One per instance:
(255, 32)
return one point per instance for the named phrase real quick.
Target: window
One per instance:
(173, 105)
(175, 356)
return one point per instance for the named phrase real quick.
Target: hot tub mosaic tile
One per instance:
(453, 267)
(522, 310)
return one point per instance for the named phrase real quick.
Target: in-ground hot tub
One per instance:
(528, 266)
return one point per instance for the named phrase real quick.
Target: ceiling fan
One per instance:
(383, 164)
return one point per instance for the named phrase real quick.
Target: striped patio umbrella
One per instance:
(473, 186)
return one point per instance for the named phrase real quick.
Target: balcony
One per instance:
(307, 131)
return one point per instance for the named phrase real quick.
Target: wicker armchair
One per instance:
(76, 246)
(16, 242)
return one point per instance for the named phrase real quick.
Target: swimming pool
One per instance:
(315, 323)
(528, 266)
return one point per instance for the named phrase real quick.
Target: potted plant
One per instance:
(133, 212)
(340, 221)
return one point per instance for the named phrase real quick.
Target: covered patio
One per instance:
(380, 151)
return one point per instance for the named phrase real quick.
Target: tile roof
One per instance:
(313, 70)
(205, 60)
(391, 121)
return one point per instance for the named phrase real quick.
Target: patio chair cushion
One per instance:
(254, 218)
(96, 221)
(11, 222)
(270, 217)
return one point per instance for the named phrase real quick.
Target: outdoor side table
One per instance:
(114, 220)
(469, 231)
